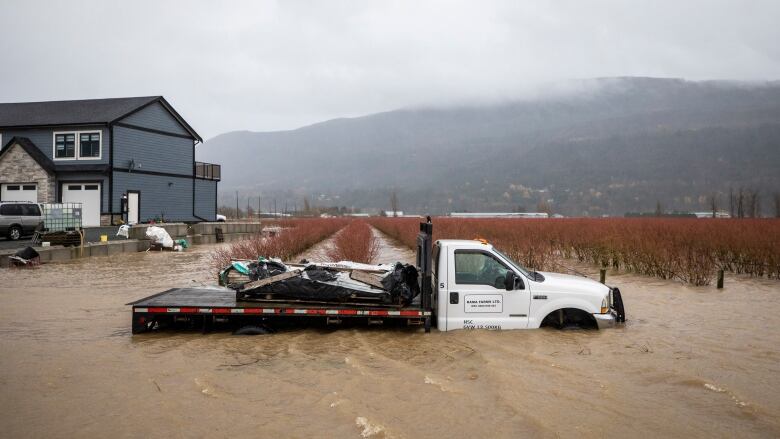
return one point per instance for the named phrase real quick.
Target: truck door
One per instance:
(477, 297)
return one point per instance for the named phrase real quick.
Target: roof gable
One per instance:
(26, 144)
(161, 116)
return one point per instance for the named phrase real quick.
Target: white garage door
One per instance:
(88, 194)
(19, 192)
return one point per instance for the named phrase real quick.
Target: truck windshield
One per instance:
(519, 267)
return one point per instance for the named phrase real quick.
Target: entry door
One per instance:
(19, 192)
(477, 296)
(88, 194)
(133, 207)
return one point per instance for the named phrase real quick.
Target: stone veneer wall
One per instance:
(16, 166)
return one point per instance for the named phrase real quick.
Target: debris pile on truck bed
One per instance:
(327, 282)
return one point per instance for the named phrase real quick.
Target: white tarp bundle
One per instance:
(349, 265)
(124, 231)
(159, 236)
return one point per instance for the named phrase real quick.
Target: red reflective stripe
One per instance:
(292, 311)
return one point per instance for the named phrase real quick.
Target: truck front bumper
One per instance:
(607, 320)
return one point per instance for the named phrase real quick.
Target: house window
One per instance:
(89, 145)
(65, 146)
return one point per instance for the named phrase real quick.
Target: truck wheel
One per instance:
(252, 330)
(14, 233)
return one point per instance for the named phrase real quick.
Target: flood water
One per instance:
(695, 362)
(389, 252)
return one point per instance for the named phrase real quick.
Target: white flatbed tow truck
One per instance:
(464, 284)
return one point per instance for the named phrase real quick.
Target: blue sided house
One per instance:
(128, 159)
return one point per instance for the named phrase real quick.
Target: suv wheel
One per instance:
(14, 233)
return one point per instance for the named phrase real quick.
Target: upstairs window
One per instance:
(65, 146)
(87, 148)
(89, 145)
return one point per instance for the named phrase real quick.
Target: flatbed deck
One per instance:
(210, 305)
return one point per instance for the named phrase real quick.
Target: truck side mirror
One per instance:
(509, 280)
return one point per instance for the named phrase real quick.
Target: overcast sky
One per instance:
(266, 65)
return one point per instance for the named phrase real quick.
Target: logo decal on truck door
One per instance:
(483, 303)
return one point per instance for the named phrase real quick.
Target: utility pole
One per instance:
(275, 212)
(258, 205)
(237, 215)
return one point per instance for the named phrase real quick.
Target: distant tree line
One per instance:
(746, 203)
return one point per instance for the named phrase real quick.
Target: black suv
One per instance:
(18, 218)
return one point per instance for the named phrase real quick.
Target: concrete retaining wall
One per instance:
(205, 233)
(59, 253)
(202, 233)
(212, 239)
(176, 230)
(227, 228)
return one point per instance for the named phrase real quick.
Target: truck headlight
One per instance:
(605, 305)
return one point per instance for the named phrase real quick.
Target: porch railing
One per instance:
(208, 171)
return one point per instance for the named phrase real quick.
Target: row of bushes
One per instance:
(691, 250)
(355, 242)
(294, 237)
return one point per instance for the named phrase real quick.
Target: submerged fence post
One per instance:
(603, 275)
(720, 279)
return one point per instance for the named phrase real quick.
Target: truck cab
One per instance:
(476, 286)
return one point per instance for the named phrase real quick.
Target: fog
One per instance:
(265, 65)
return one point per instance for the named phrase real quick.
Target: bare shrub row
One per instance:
(355, 242)
(294, 237)
(691, 250)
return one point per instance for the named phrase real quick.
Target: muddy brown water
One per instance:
(694, 362)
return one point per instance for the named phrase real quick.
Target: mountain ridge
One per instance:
(441, 159)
